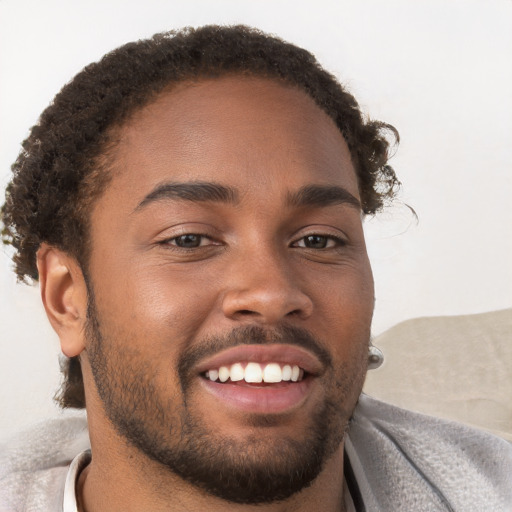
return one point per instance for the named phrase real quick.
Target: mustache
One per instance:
(250, 335)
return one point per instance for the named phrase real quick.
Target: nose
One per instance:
(266, 290)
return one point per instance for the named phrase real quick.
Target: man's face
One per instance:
(230, 240)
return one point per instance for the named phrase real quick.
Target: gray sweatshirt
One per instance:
(397, 461)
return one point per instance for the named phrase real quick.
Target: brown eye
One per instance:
(188, 241)
(315, 241)
(319, 242)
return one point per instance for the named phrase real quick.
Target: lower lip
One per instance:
(269, 399)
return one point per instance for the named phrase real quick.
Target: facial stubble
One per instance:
(261, 468)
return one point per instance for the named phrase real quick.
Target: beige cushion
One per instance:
(455, 367)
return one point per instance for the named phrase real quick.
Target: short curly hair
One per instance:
(63, 165)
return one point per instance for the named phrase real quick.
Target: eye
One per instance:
(319, 242)
(188, 241)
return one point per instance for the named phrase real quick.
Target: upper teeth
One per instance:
(255, 372)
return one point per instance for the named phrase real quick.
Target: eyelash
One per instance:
(167, 241)
(338, 242)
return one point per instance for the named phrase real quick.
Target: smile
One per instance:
(255, 373)
(261, 379)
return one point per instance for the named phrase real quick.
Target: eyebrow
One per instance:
(205, 191)
(322, 195)
(196, 191)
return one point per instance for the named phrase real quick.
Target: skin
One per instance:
(253, 267)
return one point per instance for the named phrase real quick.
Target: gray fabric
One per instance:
(402, 461)
(34, 465)
(408, 462)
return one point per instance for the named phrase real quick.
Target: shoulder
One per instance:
(34, 464)
(425, 463)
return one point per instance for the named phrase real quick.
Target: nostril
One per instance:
(246, 312)
(268, 305)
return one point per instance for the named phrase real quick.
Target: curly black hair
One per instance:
(64, 166)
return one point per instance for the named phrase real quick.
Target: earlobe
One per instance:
(64, 295)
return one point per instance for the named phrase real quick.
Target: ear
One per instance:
(64, 296)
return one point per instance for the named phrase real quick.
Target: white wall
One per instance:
(439, 70)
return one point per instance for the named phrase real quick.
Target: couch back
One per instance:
(455, 367)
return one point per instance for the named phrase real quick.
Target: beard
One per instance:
(261, 468)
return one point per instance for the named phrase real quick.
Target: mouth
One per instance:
(261, 379)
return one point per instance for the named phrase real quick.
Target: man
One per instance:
(192, 207)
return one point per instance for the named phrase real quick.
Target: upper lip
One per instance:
(274, 353)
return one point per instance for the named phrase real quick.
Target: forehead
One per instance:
(244, 132)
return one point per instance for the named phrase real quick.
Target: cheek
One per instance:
(347, 303)
(349, 291)
(154, 305)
